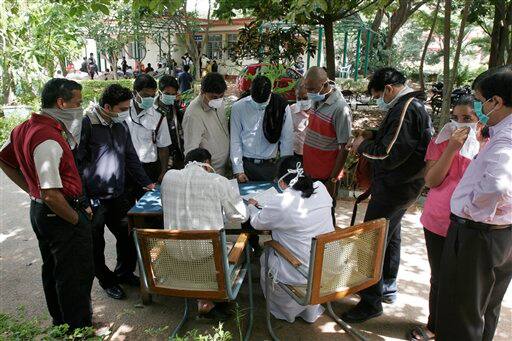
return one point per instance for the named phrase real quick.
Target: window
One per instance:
(214, 47)
(136, 50)
(232, 40)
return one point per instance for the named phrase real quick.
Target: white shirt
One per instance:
(193, 199)
(484, 194)
(145, 138)
(294, 221)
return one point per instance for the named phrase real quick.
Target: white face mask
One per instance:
(299, 171)
(260, 106)
(121, 117)
(201, 164)
(71, 118)
(215, 103)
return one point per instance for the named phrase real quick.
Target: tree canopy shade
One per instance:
(302, 12)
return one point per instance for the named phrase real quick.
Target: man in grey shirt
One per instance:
(205, 124)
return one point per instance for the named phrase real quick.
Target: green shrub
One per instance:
(7, 124)
(92, 89)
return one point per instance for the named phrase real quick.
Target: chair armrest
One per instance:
(238, 249)
(284, 252)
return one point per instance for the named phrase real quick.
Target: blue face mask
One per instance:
(145, 102)
(168, 99)
(479, 111)
(317, 96)
(382, 104)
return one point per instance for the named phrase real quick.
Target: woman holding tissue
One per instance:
(300, 212)
(448, 155)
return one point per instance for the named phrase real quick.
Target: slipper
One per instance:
(421, 332)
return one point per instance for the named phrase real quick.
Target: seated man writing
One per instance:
(195, 198)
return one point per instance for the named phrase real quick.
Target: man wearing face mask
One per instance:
(150, 135)
(300, 114)
(328, 132)
(261, 125)
(38, 158)
(197, 198)
(205, 124)
(476, 265)
(104, 157)
(397, 153)
(169, 107)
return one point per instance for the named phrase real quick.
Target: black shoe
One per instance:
(359, 314)
(130, 280)
(389, 299)
(115, 291)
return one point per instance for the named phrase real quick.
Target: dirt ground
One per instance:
(20, 285)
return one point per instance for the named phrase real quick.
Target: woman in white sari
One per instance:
(301, 212)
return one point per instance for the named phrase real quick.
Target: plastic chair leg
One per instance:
(181, 323)
(346, 327)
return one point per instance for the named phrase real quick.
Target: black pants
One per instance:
(266, 171)
(133, 189)
(112, 213)
(68, 268)
(371, 298)
(476, 268)
(434, 244)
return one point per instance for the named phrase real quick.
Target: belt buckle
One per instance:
(258, 161)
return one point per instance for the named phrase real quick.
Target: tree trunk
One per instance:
(329, 49)
(455, 67)
(445, 110)
(499, 18)
(425, 48)
(62, 63)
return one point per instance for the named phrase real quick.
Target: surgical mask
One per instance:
(381, 104)
(145, 102)
(317, 96)
(471, 146)
(201, 164)
(259, 106)
(71, 118)
(298, 170)
(305, 104)
(167, 99)
(121, 117)
(215, 103)
(479, 110)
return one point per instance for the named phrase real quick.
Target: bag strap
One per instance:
(402, 116)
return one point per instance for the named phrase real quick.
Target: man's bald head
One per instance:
(317, 73)
(316, 80)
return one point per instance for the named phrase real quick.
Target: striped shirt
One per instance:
(330, 125)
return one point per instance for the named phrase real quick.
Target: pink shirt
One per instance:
(300, 123)
(484, 193)
(436, 211)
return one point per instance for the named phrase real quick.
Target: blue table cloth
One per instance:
(151, 203)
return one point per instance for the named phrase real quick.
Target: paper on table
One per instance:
(262, 197)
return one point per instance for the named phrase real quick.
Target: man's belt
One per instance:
(260, 161)
(78, 203)
(477, 225)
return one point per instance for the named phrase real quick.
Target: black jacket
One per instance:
(397, 152)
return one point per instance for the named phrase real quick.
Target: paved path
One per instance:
(20, 285)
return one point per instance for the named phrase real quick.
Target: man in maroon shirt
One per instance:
(38, 158)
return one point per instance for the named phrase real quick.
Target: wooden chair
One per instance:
(342, 263)
(193, 264)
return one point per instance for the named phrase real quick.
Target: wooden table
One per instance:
(148, 214)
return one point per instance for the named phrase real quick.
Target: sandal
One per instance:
(420, 333)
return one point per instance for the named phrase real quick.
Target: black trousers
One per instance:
(371, 298)
(112, 213)
(68, 268)
(133, 190)
(434, 244)
(266, 171)
(476, 269)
